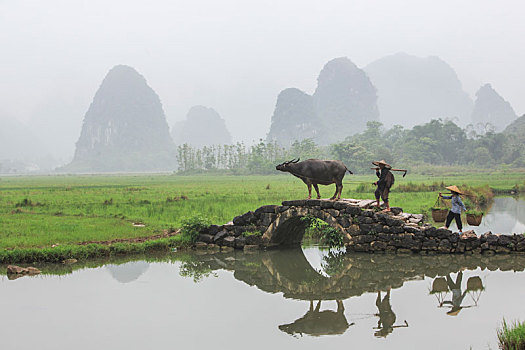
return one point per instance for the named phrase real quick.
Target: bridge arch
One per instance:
(289, 226)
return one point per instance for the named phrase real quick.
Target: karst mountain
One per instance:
(203, 126)
(124, 129)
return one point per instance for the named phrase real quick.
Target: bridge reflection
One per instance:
(351, 275)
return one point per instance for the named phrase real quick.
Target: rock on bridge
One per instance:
(363, 228)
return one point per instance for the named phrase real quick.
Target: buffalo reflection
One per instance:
(317, 323)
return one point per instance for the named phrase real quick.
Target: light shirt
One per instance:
(457, 204)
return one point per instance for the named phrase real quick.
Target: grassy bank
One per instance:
(512, 336)
(41, 211)
(89, 251)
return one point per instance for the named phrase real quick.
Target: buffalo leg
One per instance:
(309, 190)
(336, 193)
(317, 190)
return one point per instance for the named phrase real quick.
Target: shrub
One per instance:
(192, 226)
(332, 237)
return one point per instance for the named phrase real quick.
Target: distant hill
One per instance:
(517, 128)
(412, 90)
(343, 102)
(203, 127)
(124, 129)
(294, 118)
(491, 108)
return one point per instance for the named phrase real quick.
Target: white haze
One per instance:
(235, 56)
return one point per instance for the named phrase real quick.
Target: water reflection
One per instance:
(317, 323)
(442, 285)
(127, 272)
(387, 317)
(346, 276)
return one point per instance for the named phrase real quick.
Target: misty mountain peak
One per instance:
(125, 128)
(491, 108)
(294, 118)
(413, 90)
(345, 100)
(203, 127)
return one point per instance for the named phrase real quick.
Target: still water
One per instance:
(506, 215)
(307, 298)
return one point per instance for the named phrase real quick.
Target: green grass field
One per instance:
(39, 211)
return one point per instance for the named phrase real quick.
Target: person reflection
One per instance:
(387, 317)
(457, 296)
(317, 323)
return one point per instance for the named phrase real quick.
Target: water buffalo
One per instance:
(317, 172)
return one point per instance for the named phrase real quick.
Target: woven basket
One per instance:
(474, 220)
(474, 283)
(439, 285)
(439, 215)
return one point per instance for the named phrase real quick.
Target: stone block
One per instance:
(368, 212)
(363, 239)
(295, 203)
(365, 220)
(228, 241)
(403, 251)
(220, 235)
(353, 210)
(502, 250)
(396, 210)
(266, 209)
(378, 246)
(339, 205)
(394, 222)
(365, 228)
(254, 240)
(505, 240)
(397, 229)
(327, 204)
(240, 242)
(205, 238)
(333, 212)
(282, 208)
(365, 247)
(213, 229)
(343, 221)
(444, 246)
(430, 244)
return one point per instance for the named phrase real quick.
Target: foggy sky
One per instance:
(235, 56)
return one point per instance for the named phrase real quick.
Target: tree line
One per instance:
(438, 142)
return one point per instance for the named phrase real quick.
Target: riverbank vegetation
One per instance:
(512, 336)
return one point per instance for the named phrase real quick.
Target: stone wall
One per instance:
(364, 229)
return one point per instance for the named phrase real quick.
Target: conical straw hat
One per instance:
(454, 189)
(381, 162)
(454, 311)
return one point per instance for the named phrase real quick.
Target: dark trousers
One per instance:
(451, 216)
(383, 193)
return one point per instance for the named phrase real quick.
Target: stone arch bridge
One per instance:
(363, 228)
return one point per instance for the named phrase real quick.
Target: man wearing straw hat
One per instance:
(386, 180)
(457, 206)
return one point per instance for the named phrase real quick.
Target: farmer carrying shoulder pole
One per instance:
(386, 180)
(457, 206)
